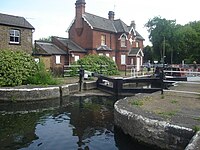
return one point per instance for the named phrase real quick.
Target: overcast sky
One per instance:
(53, 17)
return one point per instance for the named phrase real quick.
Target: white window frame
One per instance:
(113, 58)
(76, 57)
(37, 60)
(14, 36)
(107, 54)
(100, 54)
(123, 59)
(123, 41)
(58, 59)
(137, 44)
(103, 39)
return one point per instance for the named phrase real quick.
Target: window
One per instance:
(76, 58)
(37, 60)
(113, 58)
(57, 59)
(103, 40)
(123, 59)
(137, 44)
(123, 41)
(108, 55)
(14, 36)
(132, 61)
(100, 54)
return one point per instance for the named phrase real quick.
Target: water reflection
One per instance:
(81, 123)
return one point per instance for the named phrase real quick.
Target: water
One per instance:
(75, 123)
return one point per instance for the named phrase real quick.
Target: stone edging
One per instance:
(31, 94)
(194, 143)
(151, 131)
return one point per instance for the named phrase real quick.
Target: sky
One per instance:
(53, 17)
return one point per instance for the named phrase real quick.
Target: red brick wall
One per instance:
(91, 40)
(85, 39)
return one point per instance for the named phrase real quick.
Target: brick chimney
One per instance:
(111, 15)
(133, 24)
(80, 10)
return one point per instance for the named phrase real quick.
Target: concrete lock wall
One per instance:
(13, 94)
(30, 94)
(151, 131)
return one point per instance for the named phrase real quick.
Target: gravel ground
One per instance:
(180, 108)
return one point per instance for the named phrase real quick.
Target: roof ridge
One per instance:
(97, 16)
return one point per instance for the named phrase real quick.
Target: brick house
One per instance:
(57, 53)
(92, 34)
(15, 33)
(110, 37)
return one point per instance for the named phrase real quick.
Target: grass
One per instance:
(174, 101)
(167, 114)
(137, 102)
(198, 118)
(162, 96)
(196, 128)
(140, 101)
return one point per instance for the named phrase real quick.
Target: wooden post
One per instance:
(81, 75)
(118, 85)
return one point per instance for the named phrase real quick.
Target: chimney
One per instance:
(111, 15)
(80, 7)
(80, 10)
(133, 24)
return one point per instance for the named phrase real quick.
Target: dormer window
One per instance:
(14, 36)
(103, 39)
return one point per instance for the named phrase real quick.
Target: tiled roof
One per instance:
(15, 21)
(70, 44)
(49, 48)
(104, 48)
(134, 51)
(116, 26)
(99, 22)
(120, 26)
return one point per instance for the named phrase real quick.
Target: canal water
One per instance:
(73, 123)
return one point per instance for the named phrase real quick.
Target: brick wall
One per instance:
(85, 39)
(25, 39)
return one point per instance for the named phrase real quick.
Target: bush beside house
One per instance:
(19, 68)
(97, 64)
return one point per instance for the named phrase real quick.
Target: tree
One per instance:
(48, 39)
(186, 43)
(148, 53)
(177, 42)
(162, 37)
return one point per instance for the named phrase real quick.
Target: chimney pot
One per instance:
(111, 15)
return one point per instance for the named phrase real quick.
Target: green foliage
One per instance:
(42, 77)
(196, 128)
(180, 42)
(148, 53)
(137, 102)
(161, 34)
(174, 101)
(168, 114)
(97, 64)
(47, 39)
(15, 67)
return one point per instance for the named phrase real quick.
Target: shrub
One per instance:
(98, 64)
(15, 67)
(42, 77)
